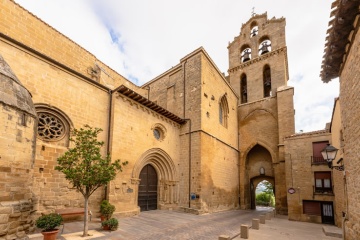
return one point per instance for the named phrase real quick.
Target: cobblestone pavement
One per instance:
(163, 224)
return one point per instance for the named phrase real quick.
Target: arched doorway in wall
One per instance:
(263, 193)
(148, 189)
(156, 175)
(259, 167)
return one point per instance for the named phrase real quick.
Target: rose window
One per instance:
(50, 127)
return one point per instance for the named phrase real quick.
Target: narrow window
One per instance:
(223, 111)
(267, 81)
(243, 89)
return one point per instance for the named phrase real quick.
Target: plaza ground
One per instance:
(163, 224)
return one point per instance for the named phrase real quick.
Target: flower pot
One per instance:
(106, 227)
(102, 218)
(50, 235)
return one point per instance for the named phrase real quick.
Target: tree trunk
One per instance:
(85, 234)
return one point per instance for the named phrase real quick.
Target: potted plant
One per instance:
(49, 224)
(110, 224)
(106, 210)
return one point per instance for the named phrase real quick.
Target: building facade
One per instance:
(342, 59)
(194, 139)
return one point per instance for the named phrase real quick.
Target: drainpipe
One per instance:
(109, 134)
(189, 120)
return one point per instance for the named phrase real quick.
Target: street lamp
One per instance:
(262, 171)
(329, 154)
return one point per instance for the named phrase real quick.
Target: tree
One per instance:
(85, 168)
(269, 188)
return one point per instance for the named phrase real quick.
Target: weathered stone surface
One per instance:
(4, 218)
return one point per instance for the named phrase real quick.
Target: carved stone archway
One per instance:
(167, 176)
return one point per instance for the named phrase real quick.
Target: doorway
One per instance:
(327, 213)
(148, 187)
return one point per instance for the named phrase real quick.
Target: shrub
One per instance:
(49, 222)
(112, 223)
(265, 199)
(107, 209)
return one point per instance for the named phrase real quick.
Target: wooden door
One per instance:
(147, 199)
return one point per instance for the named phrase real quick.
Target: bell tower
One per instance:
(258, 72)
(258, 58)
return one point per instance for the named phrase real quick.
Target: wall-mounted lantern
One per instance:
(329, 154)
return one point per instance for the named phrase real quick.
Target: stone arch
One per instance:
(262, 144)
(166, 173)
(257, 155)
(160, 160)
(253, 184)
(259, 109)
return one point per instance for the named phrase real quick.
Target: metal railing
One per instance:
(317, 160)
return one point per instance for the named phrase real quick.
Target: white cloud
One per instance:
(152, 36)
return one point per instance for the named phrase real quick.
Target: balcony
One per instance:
(318, 161)
(323, 191)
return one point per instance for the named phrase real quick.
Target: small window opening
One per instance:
(23, 119)
(267, 81)
(243, 89)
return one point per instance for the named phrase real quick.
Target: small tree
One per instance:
(84, 166)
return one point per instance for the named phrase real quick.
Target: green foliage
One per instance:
(112, 223)
(49, 222)
(83, 164)
(107, 209)
(265, 199)
(269, 188)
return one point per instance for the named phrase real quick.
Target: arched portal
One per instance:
(148, 188)
(258, 167)
(156, 162)
(254, 182)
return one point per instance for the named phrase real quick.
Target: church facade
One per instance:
(194, 139)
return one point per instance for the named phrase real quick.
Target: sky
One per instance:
(140, 39)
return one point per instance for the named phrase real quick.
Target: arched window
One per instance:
(267, 81)
(245, 54)
(254, 29)
(53, 125)
(265, 46)
(243, 88)
(223, 111)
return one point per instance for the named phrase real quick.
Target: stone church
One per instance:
(195, 139)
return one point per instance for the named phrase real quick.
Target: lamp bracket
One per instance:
(339, 168)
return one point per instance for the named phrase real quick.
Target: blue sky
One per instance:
(141, 39)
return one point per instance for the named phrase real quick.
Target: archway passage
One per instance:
(148, 189)
(254, 183)
(264, 194)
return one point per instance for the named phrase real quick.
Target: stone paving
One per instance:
(168, 225)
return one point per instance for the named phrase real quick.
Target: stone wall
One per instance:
(300, 174)
(133, 140)
(350, 114)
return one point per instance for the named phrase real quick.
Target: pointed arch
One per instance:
(160, 160)
(223, 111)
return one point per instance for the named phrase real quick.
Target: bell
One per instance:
(264, 48)
(246, 55)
